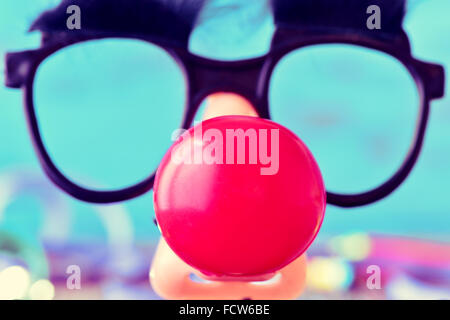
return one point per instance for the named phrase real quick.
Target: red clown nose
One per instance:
(239, 196)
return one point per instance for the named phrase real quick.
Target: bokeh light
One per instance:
(42, 290)
(329, 274)
(14, 283)
(354, 246)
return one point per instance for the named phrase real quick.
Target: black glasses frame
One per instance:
(249, 78)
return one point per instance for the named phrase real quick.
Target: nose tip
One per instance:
(228, 104)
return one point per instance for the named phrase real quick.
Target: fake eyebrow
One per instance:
(172, 19)
(346, 14)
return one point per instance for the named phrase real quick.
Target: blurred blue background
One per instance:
(356, 148)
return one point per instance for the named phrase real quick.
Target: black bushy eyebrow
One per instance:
(174, 20)
(344, 14)
(169, 19)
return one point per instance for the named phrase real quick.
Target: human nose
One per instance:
(227, 104)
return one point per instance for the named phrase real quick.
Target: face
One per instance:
(251, 215)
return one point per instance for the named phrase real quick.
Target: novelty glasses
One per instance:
(103, 106)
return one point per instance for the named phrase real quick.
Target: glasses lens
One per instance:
(355, 108)
(106, 110)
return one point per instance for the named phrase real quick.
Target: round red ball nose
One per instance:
(239, 196)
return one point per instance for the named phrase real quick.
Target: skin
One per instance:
(227, 104)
